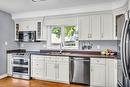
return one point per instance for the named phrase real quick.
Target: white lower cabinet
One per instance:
(97, 72)
(9, 64)
(103, 72)
(50, 68)
(64, 72)
(51, 71)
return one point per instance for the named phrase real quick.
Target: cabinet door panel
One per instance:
(50, 71)
(27, 26)
(111, 73)
(64, 72)
(97, 75)
(84, 27)
(9, 64)
(107, 27)
(95, 27)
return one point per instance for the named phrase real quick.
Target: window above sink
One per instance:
(66, 34)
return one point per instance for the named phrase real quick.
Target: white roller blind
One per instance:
(61, 21)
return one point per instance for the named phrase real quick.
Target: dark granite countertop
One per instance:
(70, 53)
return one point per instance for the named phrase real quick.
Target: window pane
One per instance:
(56, 35)
(71, 35)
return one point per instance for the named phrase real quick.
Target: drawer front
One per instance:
(37, 64)
(62, 58)
(98, 60)
(37, 74)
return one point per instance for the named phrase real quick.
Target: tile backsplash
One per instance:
(96, 45)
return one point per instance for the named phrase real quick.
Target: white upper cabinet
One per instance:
(27, 25)
(35, 24)
(107, 27)
(129, 4)
(89, 27)
(84, 28)
(61, 20)
(96, 27)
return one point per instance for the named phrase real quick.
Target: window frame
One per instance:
(62, 37)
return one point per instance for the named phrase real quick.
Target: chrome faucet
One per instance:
(61, 45)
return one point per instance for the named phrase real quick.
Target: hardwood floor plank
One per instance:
(12, 82)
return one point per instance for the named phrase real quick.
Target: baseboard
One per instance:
(3, 76)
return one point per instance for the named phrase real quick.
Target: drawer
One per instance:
(98, 60)
(62, 58)
(37, 58)
(37, 74)
(37, 64)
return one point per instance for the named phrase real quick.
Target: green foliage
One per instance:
(57, 31)
(69, 30)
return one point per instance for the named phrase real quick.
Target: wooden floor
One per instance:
(11, 82)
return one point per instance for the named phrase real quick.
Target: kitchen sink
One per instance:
(58, 53)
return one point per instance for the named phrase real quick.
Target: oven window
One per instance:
(20, 61)
(20, 69)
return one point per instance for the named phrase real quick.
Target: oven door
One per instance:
(20, 70)
(22, 61)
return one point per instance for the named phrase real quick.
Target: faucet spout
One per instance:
(61, 45)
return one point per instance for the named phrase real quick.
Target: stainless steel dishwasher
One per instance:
(80, 70)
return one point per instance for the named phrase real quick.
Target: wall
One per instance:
(6, 36)
(97, 45)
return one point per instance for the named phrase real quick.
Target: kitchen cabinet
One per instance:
(51, 71)
(9, 64)
(103, 72)
(31, 25)
(89, 27)
(50, 68)
(111, 73)
(38, 68)
(96, 27)
(84, 28)
(107, 27)
(97, 72)
(63, 69)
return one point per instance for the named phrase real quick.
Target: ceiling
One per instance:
(19, 6)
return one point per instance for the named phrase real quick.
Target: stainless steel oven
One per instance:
(21, 65)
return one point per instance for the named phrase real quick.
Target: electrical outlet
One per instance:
(98, 47)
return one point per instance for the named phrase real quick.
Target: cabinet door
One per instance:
(111, 73)
(64, 72)
(95, 27)
(9, 64)
(84, 28)
(107, 27)
(27, 25)
(51, 70)
(38, 67)
(39, 28)
(97, 75)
